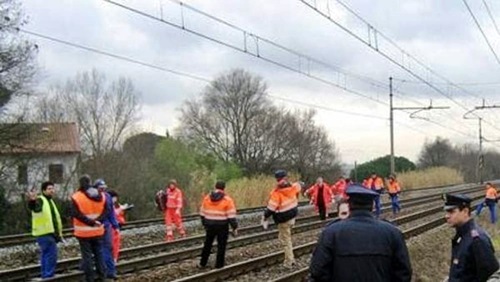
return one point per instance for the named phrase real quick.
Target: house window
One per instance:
(56, 173)
(22, 174)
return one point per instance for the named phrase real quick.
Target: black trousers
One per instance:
(92, 254)
(212, 232)
(322, 211)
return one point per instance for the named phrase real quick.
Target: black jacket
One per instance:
(472, 256)
(361, 248)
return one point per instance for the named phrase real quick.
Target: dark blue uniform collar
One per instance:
(361, 213)
(466, 228)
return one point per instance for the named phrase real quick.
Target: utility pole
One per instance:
(412, 115)
(480, 158)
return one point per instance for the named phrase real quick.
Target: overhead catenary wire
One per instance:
(204, 79)
(481, 30)
(491, 16)
(376, 47)
(181, 73)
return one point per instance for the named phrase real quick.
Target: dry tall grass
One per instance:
(434, 176)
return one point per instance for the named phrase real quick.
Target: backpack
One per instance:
(160, 200)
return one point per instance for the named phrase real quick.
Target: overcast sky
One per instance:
(440, 34)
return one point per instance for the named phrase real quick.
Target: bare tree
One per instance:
(103, 111)
(440, 152)
(17, 55)
(235, 121)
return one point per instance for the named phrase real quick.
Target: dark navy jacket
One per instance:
(472, 256)
(361, 248)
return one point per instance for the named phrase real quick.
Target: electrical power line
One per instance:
(183, 26)
(407, 60)
(183, 74)
(491, 16)
(481, 30)
(304, 61)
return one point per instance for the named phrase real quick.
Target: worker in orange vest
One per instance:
(283, 207)
(217, 212)
(321, 196)
(490, 200)
(394, 189)
(88, 210)
(376, 184)
(173, 209)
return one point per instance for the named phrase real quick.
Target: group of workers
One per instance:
(342, 253)
(97, 217)
(322, 196)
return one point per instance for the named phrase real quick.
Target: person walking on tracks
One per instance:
(343, 252)
(173, 211)
(376, 184)
(321, 197)
(283, 207)
(46, 227)
(88, 210)
(490, 200)
(472, 255)
(217, 213)
(394, 189)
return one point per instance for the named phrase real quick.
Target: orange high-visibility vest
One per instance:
(221, 210)
(174, 198)
(394, 187)
(284, 199)
(376, 183)
(90, 209)
(120, 215)
(491, 193)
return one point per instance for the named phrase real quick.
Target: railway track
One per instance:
(19, 239)
(235, 270)
(169, 251)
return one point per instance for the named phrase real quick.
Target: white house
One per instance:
(38, 152)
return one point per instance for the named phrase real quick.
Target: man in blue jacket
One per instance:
(109, 221)
(344, 253)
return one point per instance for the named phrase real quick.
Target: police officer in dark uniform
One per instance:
(361, 247)
(472, 256)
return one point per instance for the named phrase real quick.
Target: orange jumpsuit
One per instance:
(120, 217)
(173, 217)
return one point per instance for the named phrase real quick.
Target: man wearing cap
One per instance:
(217, 213)
(283, 207)
(173, 208)
(344, 254)
(472, 255)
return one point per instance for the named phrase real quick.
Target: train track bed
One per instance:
(27, 254)
(188, 267)
(159, 253)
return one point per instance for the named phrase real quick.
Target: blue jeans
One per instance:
(107, 251)
(492, 206)
(48, 256)
(395, 203)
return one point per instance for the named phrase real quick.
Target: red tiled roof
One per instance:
(40, 138)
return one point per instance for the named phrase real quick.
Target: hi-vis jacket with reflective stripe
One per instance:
(218, 209)
(491, 193)
(42, 222)
(174, 198)
(283, 202)
(91, 209)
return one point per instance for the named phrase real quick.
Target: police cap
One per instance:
(280, 173)
(455, 201)
(358, 193)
